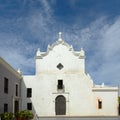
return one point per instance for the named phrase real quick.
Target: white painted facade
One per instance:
(9, 94)
(82, 96)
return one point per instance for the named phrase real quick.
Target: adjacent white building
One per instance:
(61, 86)
(10, 88)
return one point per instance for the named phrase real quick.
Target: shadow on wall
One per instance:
(27, 103)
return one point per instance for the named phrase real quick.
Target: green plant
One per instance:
(11, 116)
(7, 116)
(25, 114)
(119, 99)
(28, 114)
(19, 115)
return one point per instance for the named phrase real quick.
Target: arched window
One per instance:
(60, 105)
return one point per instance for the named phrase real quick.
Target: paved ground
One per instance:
(80, 118)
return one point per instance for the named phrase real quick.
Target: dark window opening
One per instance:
(16, 106)
(29, 92)
(5, 107)
(29, 106)
(5, 85)
(60, 84)
(99, 104)
(16, 90)
(60, 66)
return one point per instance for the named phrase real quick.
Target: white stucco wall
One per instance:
(60, 54)
(81, 96)
(6, 71)
(109, 98)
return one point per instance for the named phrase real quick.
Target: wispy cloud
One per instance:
(102, 45)
(100, 39)
(108, 49)
(17, 48)
(46, 6)
(103, 48)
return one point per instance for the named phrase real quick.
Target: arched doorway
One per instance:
(60, 105)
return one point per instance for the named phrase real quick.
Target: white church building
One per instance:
(61, 86)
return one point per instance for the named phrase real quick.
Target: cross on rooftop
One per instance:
(60, 35)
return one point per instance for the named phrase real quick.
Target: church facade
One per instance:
(61, 86)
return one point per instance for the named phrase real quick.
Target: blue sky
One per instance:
(26, 25)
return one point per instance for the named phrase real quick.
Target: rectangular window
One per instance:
(60, 84)
(5, 107)
(29, 92)
(5, 85)
(16, 89)
(16, 106)
(99, 104)
(29, 106)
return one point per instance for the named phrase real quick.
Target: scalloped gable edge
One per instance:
(50, 48)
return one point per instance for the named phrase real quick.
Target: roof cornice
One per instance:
(10, 68)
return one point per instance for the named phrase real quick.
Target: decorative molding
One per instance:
(80, 54)
(99, 89)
